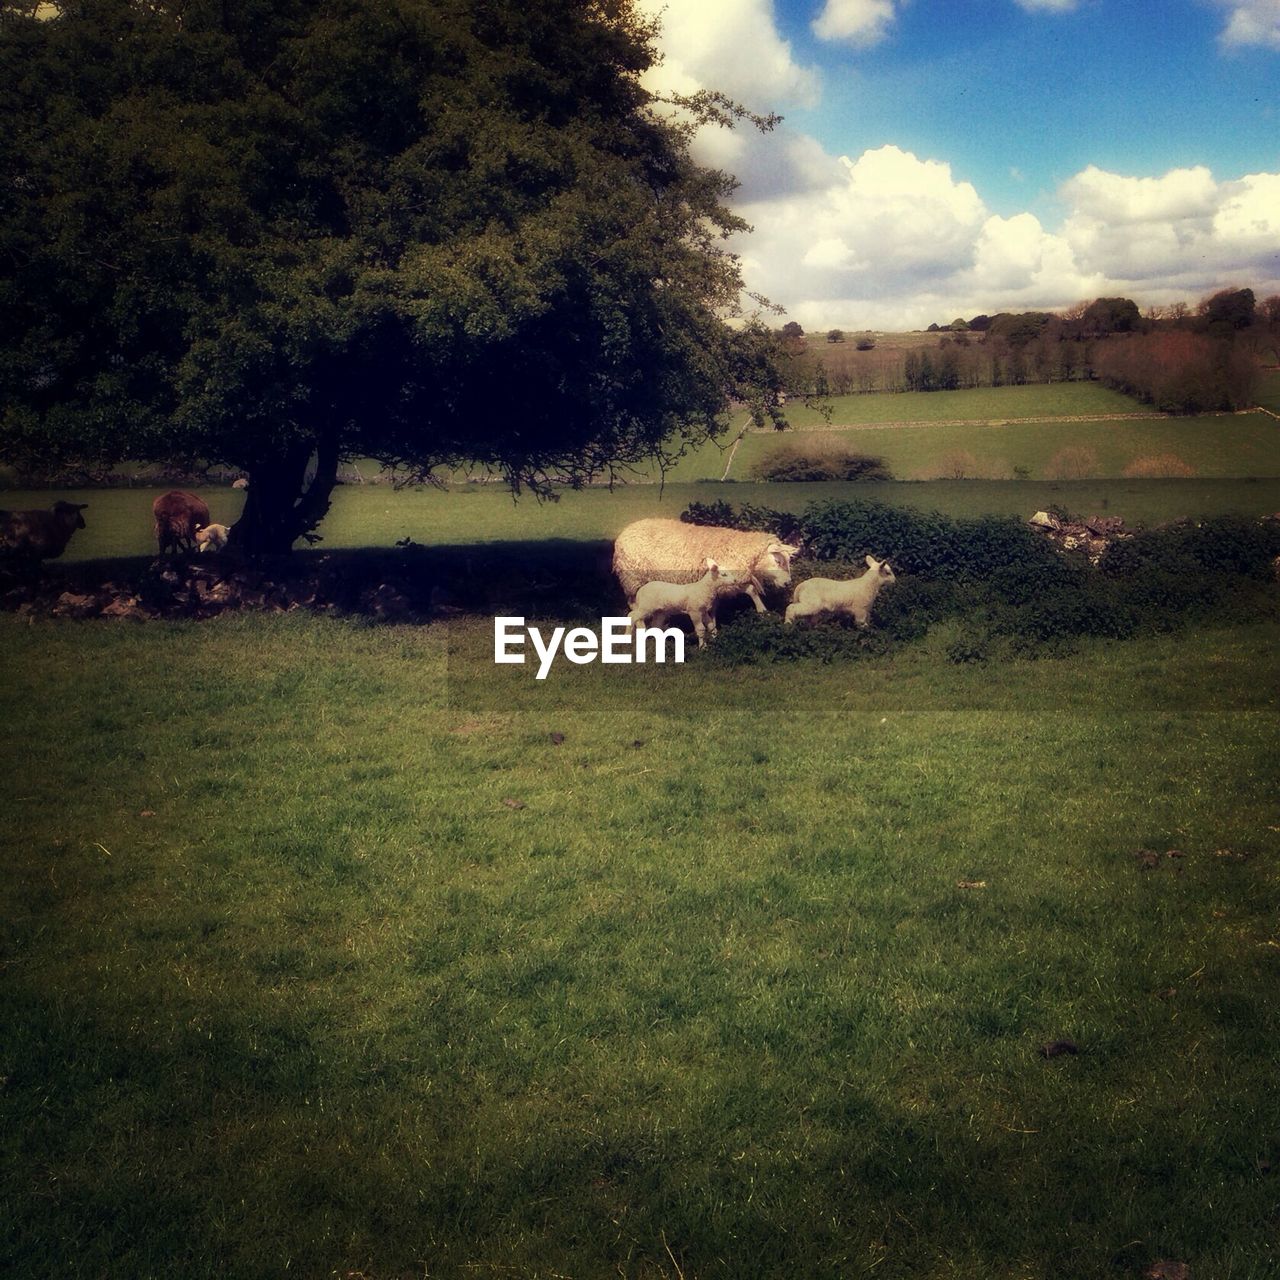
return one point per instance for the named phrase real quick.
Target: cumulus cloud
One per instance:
(889, 240)
(1251, 22)
(1182, 226)
(733, 46)
(859, 22)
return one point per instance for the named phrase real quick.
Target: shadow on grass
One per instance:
(555, 578)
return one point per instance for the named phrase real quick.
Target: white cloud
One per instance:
(892, 241)
(860, 22)
(1112, 198)
(730, 45)
(1047, 6)
(888, 240)
(1138, 231)
(1251, 22)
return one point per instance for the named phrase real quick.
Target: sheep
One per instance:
(656, 602)
(212, 537)
(671, 551)
(40, 535)
(178, 515)
(853, 596)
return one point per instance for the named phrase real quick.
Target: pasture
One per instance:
(119, 520)
(336, 951)
(333, 950)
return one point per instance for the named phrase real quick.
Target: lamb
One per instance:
(178, 515)
(39, 534)
(671, 551)
(656, 602)
(212, 537)
(853, 596)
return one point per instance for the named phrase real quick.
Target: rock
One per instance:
(124, 606)
(1104, 526)
(70, 604)
(1043, 520)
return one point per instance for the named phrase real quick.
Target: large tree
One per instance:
(271, 234)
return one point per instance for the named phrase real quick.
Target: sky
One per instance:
(944, 158)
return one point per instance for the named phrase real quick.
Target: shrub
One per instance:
(1158, 466)
(926, 543)
(959, 464)
(748, 516)
(1075, 462)
(1016, 592)
(819, 461)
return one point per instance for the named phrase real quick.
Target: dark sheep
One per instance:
(40, 534)
(178, 515)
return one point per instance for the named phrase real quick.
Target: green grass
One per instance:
(290, 987)
(1269, 390)
(119, 520)
(1214, 447)
(1054, 400)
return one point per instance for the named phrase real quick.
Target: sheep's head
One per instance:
(773, 567)
(68, 509)
(883, 569)
(729, 582)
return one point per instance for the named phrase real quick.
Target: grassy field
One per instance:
(1214, 448)
(323, 957)
(1269, 394)
(1039, 400)
(336, 951)
(119, 520)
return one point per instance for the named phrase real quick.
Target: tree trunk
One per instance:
(281, 506)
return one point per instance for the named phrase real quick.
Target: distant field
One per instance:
(1214, 447)
(1055, 399)
(119, 520)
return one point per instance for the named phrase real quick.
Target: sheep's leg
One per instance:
(699, 628)
(755, 598)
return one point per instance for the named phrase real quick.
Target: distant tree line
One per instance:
(1177, 358)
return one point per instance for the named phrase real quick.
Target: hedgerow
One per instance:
(1004, 586)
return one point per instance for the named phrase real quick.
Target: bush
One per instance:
(748, 516)
(1016, 591)
(1158, 466)
(1075, 462)
(819, 461)
(926, 543)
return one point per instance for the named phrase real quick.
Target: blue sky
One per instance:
(1134, 86)
(1046, 147)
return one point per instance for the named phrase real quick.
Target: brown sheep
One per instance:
(40, 534)
(178, 515)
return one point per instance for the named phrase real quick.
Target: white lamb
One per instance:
(212, 537)
(853, 596)
(657, 602)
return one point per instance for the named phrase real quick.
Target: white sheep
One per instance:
(853, 596)
(658, 550)
(212, 537)
(657, 602)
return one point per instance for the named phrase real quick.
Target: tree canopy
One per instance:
(274, 233)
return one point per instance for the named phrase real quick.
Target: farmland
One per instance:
(332, 949)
